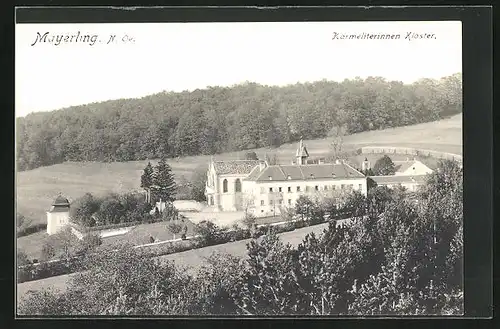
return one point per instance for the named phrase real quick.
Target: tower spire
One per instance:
(301, 153)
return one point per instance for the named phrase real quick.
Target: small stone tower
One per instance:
(365, 165)
(58, 215)
(301, 155)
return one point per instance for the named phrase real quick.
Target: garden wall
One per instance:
(410, 151)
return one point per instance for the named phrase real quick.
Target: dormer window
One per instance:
(270, 178)
(289, 177)
(333, 175)
(312, 176)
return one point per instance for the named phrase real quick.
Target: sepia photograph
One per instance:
(239, 169)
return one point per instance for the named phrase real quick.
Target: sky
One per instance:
(147, 58)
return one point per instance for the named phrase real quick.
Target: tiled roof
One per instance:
(60, 201)
(402, 166)
(254, 173)
(235, 166)
(304, 172)
(399, 179)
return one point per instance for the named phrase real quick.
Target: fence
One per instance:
(410, 151)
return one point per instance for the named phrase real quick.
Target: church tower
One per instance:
(301, 155)
(58, 215)
(365, 165)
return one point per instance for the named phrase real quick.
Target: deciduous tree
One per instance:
(384, 167)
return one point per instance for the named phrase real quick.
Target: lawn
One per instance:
(193, 259)
(36, 189)
(32, 244)
(141, 234)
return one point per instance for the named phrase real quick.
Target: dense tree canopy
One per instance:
(220, 119)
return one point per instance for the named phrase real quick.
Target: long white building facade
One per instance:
(264, 190)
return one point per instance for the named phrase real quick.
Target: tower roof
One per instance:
(301, 150)
(60, 201)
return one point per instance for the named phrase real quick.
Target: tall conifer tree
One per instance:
(147, 180)
(164, 182)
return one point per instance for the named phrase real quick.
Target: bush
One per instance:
(89, 242)
(31, 229)
(112, 209)
(169, 213)
(211, 234)
(239, 234)
(249, 220)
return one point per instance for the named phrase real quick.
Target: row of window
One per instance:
(279, 202)
(271, 202)
(237, 185)
(310, 188)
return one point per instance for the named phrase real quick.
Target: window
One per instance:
(360, 186)
(280, 201)
(262, 210)
(271, 202)
(316, 188)
(237, 185)
(289, 201)
(270, 190)
(342, 186)
(298, 188)
(289, 189)
(326, 188)
(224, 186)
(279, 189)
(307, 188)
(351, 186)
(333, 187)
(262, 190)
(261, 202)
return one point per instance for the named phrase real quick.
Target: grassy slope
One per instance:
(37, 188)
(192, 259)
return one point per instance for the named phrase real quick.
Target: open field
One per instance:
(37, 188)
(193, 259)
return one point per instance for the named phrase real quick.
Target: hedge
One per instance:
(44, 270)
(31, 229)
(60, 267)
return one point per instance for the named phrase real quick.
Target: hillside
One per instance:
(36, 189)
(223, 119)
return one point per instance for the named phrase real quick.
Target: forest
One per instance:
(223, 119)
